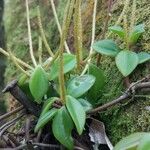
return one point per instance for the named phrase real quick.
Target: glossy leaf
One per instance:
(117, 30)
(69, 64)
(135, 34)
(145, 142)
(126, 62)
(38, 84)
(48, 105)
(130, 141)
(62, 127)
(143, 57)
(96, 90)
(77, 113)
(85, 104)
(45, 118)
(79, 85)
(106, 47)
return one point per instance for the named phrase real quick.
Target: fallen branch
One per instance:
(129, 93)
(18, 94)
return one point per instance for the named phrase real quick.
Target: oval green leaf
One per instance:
(85, 104)
(135, 34)
(126, 62)
(48, 105)
(106, 47)
(145, 142)
(45, 118)
(62, 127)
(96, 90)
(117, 30)
(143, 57)
(79, 85)
(69, 64)
(38, 84)
(130, 141)
(77, 113)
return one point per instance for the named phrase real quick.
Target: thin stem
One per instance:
(58, 24)
(110, 3)
(126, 28)
(78, 33)
(29, 34)
(92, 39)
(125, 9)
(42, 33)
(17, 59)
(17, 65)
(132, 19)
(40, 50)
(66, 23)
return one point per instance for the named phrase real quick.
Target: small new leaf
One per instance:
(117, 30)
(38, 84)
(135, 34)
(106, 47)
(79, 85)
(62, 127)
(126, 62)
(143, 57)
(76, 112)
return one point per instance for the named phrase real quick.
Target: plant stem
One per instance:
(29, 34)
(78, 33)
(66, 23)
(92, 39)
(17, 59)
(42, 33)
(110, 2)
(40, 50)
(17, 65)
(58, 24)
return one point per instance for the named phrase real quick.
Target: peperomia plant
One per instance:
(126, 59)
(65, 85)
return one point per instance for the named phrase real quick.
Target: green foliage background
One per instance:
(121, 120)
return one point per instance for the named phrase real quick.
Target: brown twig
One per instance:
(7, 115)
(4, 127)
(127, 94)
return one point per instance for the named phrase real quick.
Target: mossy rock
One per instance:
(121, 120)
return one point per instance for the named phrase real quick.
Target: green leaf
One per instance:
(45, 118)
(69, 64)
(79, 85)
(130, 141)
(38, 84)
(48, 105)
(126, 62)
(135, 34)
(85, 104)
(145, 142)
(96, 90)
(77, 113)
(62, 127)
(143, 57)
(106, 47)
(118, 30)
